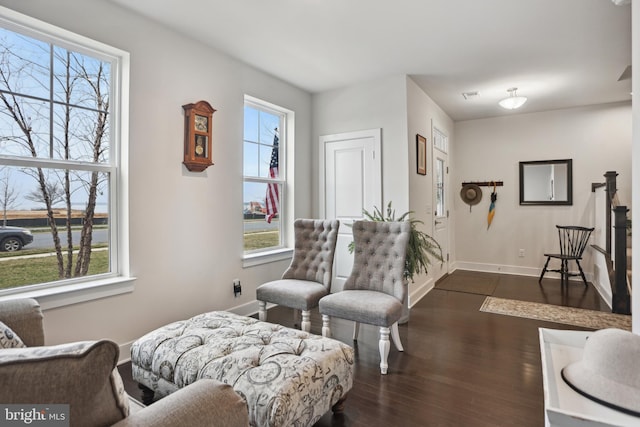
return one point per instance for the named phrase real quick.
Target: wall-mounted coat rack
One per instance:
(485, 183)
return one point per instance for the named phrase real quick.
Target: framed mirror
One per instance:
(546, 182)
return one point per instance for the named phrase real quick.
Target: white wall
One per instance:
(370, 105)
(186, 228)
(422, 111)
(597, 138)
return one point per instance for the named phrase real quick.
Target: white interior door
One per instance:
(440, 199)
(351, 181)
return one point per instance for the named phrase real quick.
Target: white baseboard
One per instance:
(512, 269)
(499, 268)
(248, 309)
(605, 294)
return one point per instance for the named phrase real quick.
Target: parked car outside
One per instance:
(14, 238)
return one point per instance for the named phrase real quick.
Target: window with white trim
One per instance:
(264, 176)
(440, 140)
(61, 144)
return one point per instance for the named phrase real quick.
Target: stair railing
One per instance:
(616, 243)
(621, 297)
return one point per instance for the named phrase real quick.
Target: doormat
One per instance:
(475, 285)
(554, 313)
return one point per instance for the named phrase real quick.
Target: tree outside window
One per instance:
(56, 158)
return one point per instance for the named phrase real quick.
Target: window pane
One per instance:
(258, 233)
(23, 205)
(80, 80)
(251, 159)
(251, 124)
(440, 187)
(25, 64)
(81, 134)
(269, 123)
(266, 154)
(440, 140)
(27, 134)
(77, 108)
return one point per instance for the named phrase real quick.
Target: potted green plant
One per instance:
(420, 250)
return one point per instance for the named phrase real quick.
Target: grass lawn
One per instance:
(261, 239)
(23, 271)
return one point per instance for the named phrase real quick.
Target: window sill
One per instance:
(60, 296)
(266, 257)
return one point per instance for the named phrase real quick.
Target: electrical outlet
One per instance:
(237, 288)
(521, 253)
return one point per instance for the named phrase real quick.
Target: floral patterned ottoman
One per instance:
(287, 377)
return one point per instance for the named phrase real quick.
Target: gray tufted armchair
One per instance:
(308, 277)
(374, 291)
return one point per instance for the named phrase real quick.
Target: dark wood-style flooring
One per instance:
(460, 366)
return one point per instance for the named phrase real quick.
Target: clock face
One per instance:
(201, 123)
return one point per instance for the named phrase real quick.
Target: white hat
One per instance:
(609, 372)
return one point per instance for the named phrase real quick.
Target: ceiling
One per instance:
(558, 53)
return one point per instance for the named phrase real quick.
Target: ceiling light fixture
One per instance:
(513, 101)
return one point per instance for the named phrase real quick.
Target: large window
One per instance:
(60, 158)
(264, 176)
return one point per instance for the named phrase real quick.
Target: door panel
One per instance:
(440, 202)
(345, 161)
(351, 181)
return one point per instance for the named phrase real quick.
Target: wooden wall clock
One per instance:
(197, 135)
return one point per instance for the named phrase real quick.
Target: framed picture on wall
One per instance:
(421, 154)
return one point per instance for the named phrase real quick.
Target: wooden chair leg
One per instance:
(384, 345)
(326, 329)
(306, 321)
(544, 269)
(262, 311)
(395, 335)
(584, 279)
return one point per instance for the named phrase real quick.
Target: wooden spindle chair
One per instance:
(573, 242)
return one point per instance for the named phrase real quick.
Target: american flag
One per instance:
(273, 195)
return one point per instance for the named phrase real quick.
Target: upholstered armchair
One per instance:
(308, 277)
(374, 291)
(84, 376)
